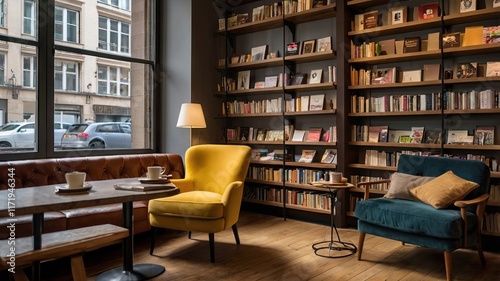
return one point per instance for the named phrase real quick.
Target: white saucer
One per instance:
(65, 188)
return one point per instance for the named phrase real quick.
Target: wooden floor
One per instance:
(274, 249)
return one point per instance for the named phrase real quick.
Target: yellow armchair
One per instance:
(211, 193)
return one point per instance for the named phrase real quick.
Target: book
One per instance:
(412, 76)
(270, 81)
(491, 35)
(466, 70)
(493, 69)
(274, 135)
(383, 76)
(411, 45)
(304, 103)
(456, 136)
(397, 15)
(373, 134)
(370, 19)
(315, 76)
(297, 79)
(261, 134)
(144, 187)
(451, 40)
(484, 135)
(244, 80)
(259, 53)
(324, 44)
(307, 156)
(292, 48)
(329, 156)
(432, 136)
(384, 133)
(314, 134)
(431, 72)
(387, 47)
(417, 134)
(432, 41)
(467, 6)
(298, 135)
(473, 35)
(395, 135)
(316, 102)
(358, 23)
(428, 11)
(244, 133)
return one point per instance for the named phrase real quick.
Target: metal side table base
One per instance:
(139, 272)
(333, 248)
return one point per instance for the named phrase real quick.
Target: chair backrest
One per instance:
(471, 170)
(212, 167)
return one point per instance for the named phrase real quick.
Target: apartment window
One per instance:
(29, 71)
(2, 13)
(122, 4)
(2, 69)
(29, 17)
(66, 25)
(66, 76)
(113, 81)
(114, 35)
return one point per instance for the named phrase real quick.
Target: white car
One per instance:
(22, 134)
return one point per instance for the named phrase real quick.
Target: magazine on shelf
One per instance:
(314, 134)
(307, 156)
(432, 136)
(457, 136)
(484, 135)
(417, 134)
(316, 102)
(329, 157)
(298, 135)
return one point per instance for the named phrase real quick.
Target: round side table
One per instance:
(334, 248)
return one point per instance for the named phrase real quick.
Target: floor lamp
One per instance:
(191, 116)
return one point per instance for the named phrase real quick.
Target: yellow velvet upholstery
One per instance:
(211, 192)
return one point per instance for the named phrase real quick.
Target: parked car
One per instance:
(97, 135)
(22, 134)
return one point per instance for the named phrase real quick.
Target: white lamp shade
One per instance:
(191, 116)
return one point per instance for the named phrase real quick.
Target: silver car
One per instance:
(97, 135)
(22, 134)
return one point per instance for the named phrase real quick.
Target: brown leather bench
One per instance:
(67, 243)
(29, 173)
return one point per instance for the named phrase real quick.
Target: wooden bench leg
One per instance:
(78, 268)
(360, 244)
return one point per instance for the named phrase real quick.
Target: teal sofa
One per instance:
(415, 222)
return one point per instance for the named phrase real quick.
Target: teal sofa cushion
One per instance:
(413, 217)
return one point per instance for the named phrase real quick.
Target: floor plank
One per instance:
(276, 249)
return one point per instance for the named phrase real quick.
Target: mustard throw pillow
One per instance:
(444, 190)
(402, 183)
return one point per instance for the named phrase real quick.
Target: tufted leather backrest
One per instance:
(38, 172)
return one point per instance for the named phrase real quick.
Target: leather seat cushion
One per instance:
(191, 204)
(413, 217)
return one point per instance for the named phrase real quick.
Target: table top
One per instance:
(40, 199)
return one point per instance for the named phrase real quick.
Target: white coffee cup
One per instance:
(75, 179)
(335, 177)
(155, 172)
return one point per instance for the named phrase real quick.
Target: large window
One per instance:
(29, 17)
(113, 81)
(122, 4)
(29, 71)
(114, 35)
(66, 76)
(65, 62)
(66, 25)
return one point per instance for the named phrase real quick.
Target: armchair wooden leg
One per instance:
(189, 234)
(235, 232)
(479, 246)
(360, 244)
(153, 233)
(211, 238)
(447, 264)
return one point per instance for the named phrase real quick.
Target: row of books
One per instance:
(265, 174)
(388, 158)
(490, 162)
(484, 99)
(297, 6)
(353, 200)
(393, 46)
(298, 175)
(355, 179)
(270, 194)
(396, 103)
(313, 134)
(309, 199)
(495, 193)
(492, 222)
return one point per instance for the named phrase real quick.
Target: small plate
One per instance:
(65, 188)
(148, 180)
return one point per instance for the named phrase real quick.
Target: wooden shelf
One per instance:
(253, 115)
(306, 187)
(369, 167)
(362, 190)
(308, 209)
(262, 202)
(494, 203)
(473, 111)
(411, 26)
(311, 57)
(256, 142)
(398, 113)
(257, 91)
(275, 114)
(323, 12)
(311, 165)
(273, 183)
(471, 80)
(253, 64)
(311, 87)
(495, 175)
(366, 3)
(321, 143)
(491, 233)
(471, 50)
(313, 112)
(393, 144)
(396, 85)
(472, 147)
(473, 16)
(397, 58)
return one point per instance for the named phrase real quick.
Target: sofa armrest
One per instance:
(184, 185)
(367, 185)
(481, 202)
(231, 198)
